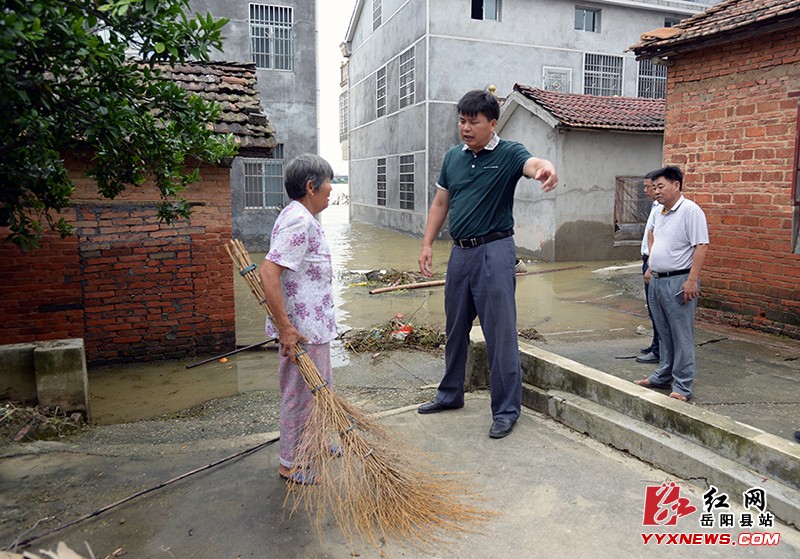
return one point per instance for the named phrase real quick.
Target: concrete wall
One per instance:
(289, 98)
(731, 124)
(461, 54)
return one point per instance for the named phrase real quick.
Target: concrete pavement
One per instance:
(560, 493)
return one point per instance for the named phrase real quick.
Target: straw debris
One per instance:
(395, 334)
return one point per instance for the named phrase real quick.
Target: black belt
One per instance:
(669, 274)
(477, 241)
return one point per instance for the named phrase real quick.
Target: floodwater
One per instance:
(560, 300)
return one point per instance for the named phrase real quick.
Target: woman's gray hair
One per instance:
(304, 168)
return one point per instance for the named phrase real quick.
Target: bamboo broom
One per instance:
(373, 485)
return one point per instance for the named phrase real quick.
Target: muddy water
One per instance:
(575, 303)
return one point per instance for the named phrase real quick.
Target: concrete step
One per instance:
(670, 452)
(676, 436)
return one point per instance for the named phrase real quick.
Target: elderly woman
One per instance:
(297, 277)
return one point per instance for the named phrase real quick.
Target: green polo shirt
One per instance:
(481, 187)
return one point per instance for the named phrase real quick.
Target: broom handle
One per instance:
(248, 271)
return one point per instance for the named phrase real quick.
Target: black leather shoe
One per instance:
(647, 349)
(501, 427)
(434, 406)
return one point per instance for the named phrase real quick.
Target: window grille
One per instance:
(407, 78)
(263, 182)
(376, 14)
(344, 115)
(407, 182)
(380, 92)
(380, 181)
(652, 80)
(271, 36)
(602, 74)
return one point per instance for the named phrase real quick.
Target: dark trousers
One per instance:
(654, 344)
(481, 282)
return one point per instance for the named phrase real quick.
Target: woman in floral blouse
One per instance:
(297, 276)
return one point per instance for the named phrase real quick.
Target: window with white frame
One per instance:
(652, 80)
(407, 78)
(602, 74)
(380, 92)
(557, 79)
(587, 19)
(263, 181)
(407, 182)
(380, 181)
(376, 14)
(271, 36)
(344, 115)
(671, 21)
(486, 9)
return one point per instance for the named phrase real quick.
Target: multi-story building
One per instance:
(409, 61)
(280, 38)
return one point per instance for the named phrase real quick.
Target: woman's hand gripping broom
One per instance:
(370, 483)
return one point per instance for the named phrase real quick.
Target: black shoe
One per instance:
(797, 436)
(501, 427)
(647, 349)
(434, 406)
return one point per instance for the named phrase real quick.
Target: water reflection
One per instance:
(558, 304)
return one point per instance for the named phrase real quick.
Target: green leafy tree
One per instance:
(77, 74)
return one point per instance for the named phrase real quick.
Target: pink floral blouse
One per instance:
(299, 245)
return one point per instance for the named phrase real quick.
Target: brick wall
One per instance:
(731, 126)
(135, 289)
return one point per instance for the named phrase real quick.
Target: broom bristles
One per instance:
(374, 487)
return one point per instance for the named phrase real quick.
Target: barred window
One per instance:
(652, 80)
(587, 19)
(407, 78)
(380, 181)
(602, 74)
(376, 14)
(271, 36)
(263, 181)
(380, 92)
(407, 182)
(344, 115)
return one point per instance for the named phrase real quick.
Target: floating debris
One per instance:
(395, 334)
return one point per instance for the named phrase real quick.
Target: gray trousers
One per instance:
(481, 282)
(674, 321)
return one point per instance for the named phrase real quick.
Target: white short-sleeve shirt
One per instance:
(676, 233)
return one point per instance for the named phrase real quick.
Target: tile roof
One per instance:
(232, 86)
(595, 112)
(726, 18)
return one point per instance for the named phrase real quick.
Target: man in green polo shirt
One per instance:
(476, 187)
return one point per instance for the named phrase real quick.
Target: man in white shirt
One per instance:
(678, 242)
